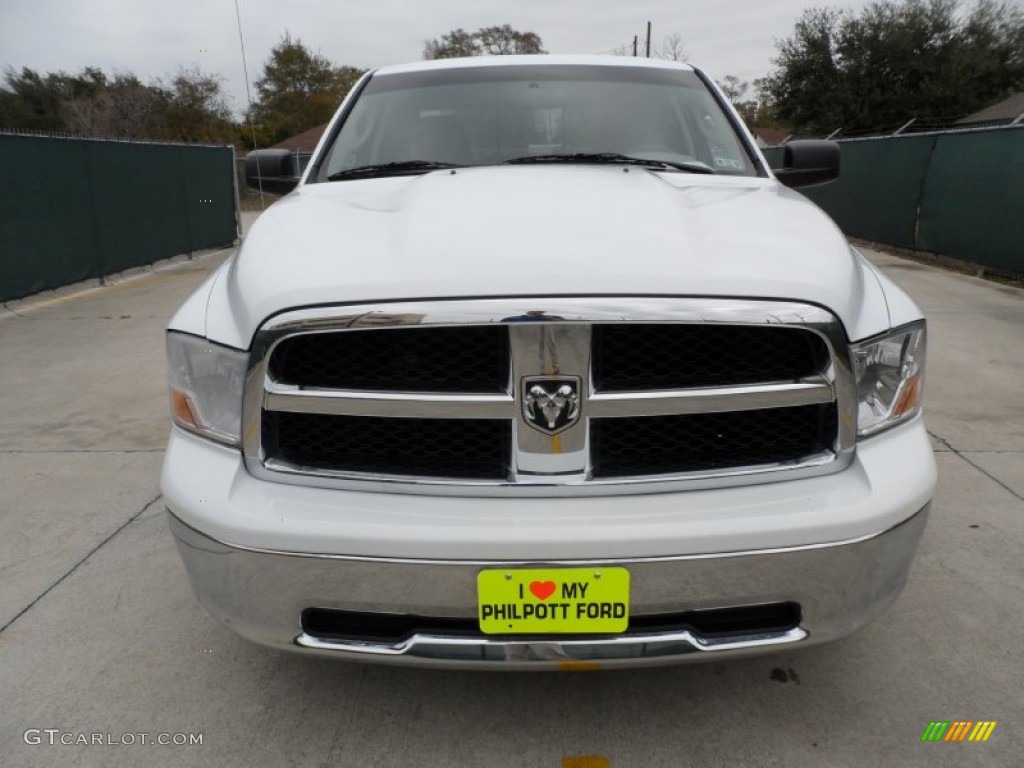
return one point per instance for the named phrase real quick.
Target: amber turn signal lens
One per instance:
(889, 371)
(909, 398)
(206, 381)
(183, 408)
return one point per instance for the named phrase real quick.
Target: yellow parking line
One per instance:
(60, 299)
(89, 291)
(128, 282)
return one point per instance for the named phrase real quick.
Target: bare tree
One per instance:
(755, 108)
(734, 88)
(89, 117)
(124, 108)
(672, 48)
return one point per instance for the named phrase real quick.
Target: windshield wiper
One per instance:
(391, 169)
(612, 158)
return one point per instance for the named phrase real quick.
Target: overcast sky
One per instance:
(153, 39)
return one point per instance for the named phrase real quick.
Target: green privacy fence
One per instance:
(73, 209)
(958, 194)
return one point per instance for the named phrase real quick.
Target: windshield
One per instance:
(491, 115)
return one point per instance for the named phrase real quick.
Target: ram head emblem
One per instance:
(551, 404)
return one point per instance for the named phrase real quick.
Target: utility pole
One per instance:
(648, 39)
(636, 39)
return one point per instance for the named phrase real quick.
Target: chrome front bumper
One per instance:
(261, 595)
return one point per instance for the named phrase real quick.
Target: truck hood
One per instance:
(540, 230)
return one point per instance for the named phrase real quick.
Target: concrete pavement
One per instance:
(101, 633)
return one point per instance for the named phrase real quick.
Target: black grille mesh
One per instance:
(709, 441)
(642, 356)
(457, 448)
(458, 359)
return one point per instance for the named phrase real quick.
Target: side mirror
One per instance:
(808, 162)
(278, 170)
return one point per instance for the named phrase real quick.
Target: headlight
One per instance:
(890, 378)
(206, 386)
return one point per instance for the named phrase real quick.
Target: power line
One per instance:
(248, 97)
(619, 49)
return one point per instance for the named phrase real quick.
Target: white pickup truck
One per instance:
(540, 366)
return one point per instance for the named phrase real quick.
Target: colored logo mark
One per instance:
(585, 761)
(958, 730)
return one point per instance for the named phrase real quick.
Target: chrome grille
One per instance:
(433, 397)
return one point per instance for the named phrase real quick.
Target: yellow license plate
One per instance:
(553, 601)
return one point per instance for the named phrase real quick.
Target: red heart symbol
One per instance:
(542, 590)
